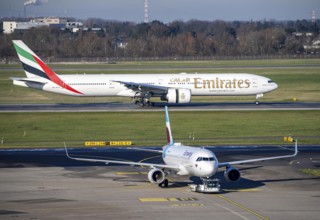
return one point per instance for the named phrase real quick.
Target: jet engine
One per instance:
(178, 96)
(156, 176)
(232, 174)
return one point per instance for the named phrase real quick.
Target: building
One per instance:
(10, 26)
(50, 20)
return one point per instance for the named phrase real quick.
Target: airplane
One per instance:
(173, 88)
(185, 161)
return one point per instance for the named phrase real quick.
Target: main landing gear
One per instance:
(164, 183)
(143, 101)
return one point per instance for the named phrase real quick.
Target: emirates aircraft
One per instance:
(173, 88)
(186, 161)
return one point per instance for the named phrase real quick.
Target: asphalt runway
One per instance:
(45, 184)
(123, 106)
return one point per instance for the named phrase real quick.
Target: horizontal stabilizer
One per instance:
(31, 80)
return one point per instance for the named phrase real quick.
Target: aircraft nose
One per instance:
(211, 169)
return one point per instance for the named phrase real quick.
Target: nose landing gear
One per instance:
(258, 96)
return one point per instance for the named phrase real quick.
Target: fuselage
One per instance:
(231, 84)
(192, 161)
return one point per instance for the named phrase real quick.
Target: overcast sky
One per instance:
(166, 10)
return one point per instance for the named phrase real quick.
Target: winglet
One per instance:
(295, 147)
(168, 128)
(65, 147)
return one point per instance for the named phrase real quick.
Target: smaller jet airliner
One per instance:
(173, 88)
(186, 160)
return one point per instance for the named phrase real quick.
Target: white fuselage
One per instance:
(192, 161)
(231, 84)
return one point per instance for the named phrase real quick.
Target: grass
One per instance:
(148, 129)
(313, 172)
(188, 63)
(297, 82)
(300, 81)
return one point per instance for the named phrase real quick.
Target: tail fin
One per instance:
(31, 63)
(35, 67)
(168, 127)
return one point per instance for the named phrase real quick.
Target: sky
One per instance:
(165, 10)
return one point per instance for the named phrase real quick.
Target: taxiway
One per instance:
(128, 106)
(44, 184)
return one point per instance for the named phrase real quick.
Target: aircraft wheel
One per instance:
(166, 183)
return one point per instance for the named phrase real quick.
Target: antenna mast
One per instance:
(146, 6)
(313, 16)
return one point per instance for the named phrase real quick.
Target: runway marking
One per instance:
(131, 173)
(242, 190)
(234, 212)
(187, 205)
(167, 199)
(242, 207)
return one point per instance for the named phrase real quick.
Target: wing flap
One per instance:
(143, 87)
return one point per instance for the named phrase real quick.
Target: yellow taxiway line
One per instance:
(242, 207)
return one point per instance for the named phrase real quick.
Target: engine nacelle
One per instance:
(232, 174)
(178, 96)
(156, 176)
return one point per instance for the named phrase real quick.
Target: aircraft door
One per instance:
(111, 84)
(254, 83)
(160, 82)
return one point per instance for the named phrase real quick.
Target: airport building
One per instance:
(62, 23)
(11, 26)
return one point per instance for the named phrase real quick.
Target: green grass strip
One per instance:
(148, 128)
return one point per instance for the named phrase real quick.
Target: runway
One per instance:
(128, 106)
(45, 184)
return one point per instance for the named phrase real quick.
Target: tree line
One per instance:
(175, 39)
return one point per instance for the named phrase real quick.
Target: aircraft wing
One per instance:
(226, 164)
(143, 87)
(147, 150)
(169, 167)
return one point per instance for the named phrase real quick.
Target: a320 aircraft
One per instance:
(173, 88)
(186, 160)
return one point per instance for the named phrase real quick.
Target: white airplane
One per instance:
(186, 160)
(173, 88)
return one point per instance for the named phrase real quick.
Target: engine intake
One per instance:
(178, 96)
(156, 176)
(232, 174)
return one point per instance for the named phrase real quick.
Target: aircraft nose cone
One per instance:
(210, 170)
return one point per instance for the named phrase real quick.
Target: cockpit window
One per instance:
(205, 159)
(270, 81)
